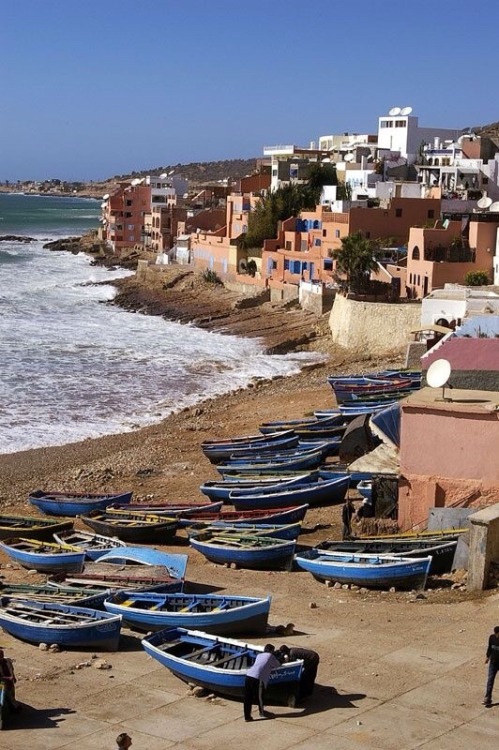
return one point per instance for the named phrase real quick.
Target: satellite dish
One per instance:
(105, 197)
(348, 157)
(438, 374)
(484, 202)
(406, 111)
(494, 207)
(394, 111)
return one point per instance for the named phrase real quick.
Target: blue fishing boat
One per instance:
(220, 489)
(175, 565)
(276, 531)
(441, 550)
(328, 420)
(45, 557)
(219, 664)
(303, 460)
(65, 625)
(244, 551)
(221, 614)
(132, 526)
(91, 597)
(319, 493)
(219, 450)
(291, 514)
(260, 447)
(335, 471)
(93, 545)
(75, 503)
(365, 488)
(371, 571)
(12, 527)
(172, 510)
(330, 445)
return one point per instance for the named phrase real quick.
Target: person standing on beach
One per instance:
(8, 678)
(346, 517)
(492, 659)
(256, 681)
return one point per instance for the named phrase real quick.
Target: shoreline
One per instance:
(164, 460)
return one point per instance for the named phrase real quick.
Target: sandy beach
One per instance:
(387, 659)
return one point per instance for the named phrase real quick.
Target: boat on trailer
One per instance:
(220, 664)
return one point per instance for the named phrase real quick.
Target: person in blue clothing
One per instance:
(256, 681)
(492, 659)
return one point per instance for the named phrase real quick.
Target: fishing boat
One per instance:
(220, 489)
(212, 613)
(441, 551)
(218, 450)
(275, 531)
(291, 514)
(303, 460)
(328, 420)
(131, 526)
(217, 454)
(45, 592)
(319, 493)
(219, 664)
(365, 488)
(12, 527)
(172, 510)
(256, 552)
(374, 571)
(94, 545)
(65, 625)
(44, 556)
(75, 503)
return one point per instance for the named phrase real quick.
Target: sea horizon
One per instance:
(77, 367)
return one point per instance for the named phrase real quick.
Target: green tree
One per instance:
(273, 208)
(476, 278)
(356, 258)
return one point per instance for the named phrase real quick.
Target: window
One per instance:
(288, 245)
(128, 203)
(337, 234)
(304, 246)
(130, 227)
(400, 123)
(415, 253)
(398, 213)
(317, 242)
(431, 213)
(324, 232)
(386, 124)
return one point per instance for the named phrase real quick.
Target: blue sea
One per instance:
(73, 367)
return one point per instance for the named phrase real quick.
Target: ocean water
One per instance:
(74, 367)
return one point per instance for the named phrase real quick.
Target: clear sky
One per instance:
(96, 88)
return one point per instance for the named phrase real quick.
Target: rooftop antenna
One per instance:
(406, 111)
(394, 111)
(438, 374)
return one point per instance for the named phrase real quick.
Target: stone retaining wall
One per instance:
(376, 328)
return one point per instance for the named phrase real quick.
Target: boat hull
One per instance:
(161, 532)
(102, 632)
(283, 685)
(40, 529)
(250, 617)
(58, 504)
(401, 574)
(292, 514)
(318, 493)
(69, 562)
(270, 557)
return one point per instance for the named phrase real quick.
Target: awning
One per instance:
(432, 329)
(382, 460)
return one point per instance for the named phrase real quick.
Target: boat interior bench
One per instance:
(232, 657)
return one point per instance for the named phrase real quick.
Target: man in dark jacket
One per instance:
(346, 516)
(310, 666)
(492, 659)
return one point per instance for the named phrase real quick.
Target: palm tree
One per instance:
(356, 258)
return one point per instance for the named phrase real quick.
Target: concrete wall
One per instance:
(377, 328)
(484, 546)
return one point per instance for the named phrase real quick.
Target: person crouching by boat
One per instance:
(256, 681)
(9, 680)
(346, 517)
(311, 661)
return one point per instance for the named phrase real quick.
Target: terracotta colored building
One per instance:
(446, 252)
(123, 215)
(448, 453)
(305, 245)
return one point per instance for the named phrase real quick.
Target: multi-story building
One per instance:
(447, 251)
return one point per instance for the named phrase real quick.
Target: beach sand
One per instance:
(362, 637)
